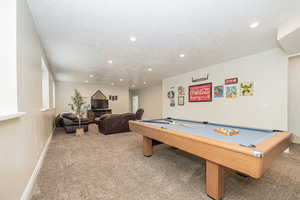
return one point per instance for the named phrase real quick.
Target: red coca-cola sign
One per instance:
(200, 93)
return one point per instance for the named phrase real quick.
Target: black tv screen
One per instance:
(99, 104)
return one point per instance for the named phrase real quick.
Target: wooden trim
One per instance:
(267, 145)
(273, 148)
(214, 180)
(232, 156)
(135, 125)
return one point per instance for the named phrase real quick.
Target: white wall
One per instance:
(64, 91)
(294, 97)
(266, 109)
(150, 99)
(22, 140)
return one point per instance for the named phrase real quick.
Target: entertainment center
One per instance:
(99, 106)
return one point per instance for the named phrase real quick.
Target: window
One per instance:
(53, 94)
(45, 85)
(8, 60)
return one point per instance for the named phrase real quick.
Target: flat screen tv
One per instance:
(99, 104)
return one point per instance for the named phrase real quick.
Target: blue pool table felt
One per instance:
(246, 136)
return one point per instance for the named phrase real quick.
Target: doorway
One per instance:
(135, 103)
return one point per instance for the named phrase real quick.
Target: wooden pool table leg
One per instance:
(148, 148)
(214, 180)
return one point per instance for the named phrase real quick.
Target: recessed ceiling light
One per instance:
(91, 75)
(109, 61)
(254, 25)
(121, 79)
(86, 81)
(181, 55)
(145, 82)
(112, 84)
(132, 39)
(150, 69)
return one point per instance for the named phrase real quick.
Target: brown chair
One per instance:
(117, 123)
(139, 114)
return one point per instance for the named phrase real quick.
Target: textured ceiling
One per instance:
(79, 36)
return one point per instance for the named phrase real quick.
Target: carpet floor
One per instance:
(113, 167)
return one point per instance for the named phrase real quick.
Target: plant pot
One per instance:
(79, 132)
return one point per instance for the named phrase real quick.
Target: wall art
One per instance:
(231, 91)
(230, 81)
(181, 91)
(181, 100)
(246, 88)
(171, 96)
(219, 91)
(200, 93)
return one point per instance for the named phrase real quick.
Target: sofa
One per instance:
(117, 123)
(70, 122)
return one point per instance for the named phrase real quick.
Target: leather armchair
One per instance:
(139, 114)
(71, 122)
(116, 123)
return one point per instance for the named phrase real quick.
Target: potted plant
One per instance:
(79, 108)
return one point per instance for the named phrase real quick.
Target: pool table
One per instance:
(249, 152)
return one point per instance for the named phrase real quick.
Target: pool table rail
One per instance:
(233, 156)
(273, 147)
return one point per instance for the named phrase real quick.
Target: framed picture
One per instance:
(219, 91)
(200, 93)
(230, 81)
(231, 91)
(246, 88)
(181, 91)
(181, 100)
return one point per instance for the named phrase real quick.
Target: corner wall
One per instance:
(22, 140)
(266, 109)
(294, 97)
(150, 99)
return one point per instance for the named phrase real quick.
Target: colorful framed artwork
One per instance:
(246, 88)
(219, 91)
(181, 100)
(181, 91)
(231, 91)
(230, 81)
(200, 93)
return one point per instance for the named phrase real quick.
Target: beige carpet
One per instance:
(113, 168)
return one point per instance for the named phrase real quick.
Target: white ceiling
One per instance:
(79, 36)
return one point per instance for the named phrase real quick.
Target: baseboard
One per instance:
(27, 192)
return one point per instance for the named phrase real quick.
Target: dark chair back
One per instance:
(139, 113)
